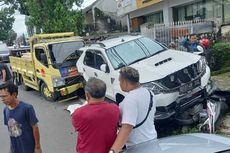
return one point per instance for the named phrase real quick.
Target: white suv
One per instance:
(179, 80)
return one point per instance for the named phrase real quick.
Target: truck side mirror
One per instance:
(104, 68)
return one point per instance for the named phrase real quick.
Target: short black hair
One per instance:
(130, 74)
(10, 86)
(193, 34)
(96, 88)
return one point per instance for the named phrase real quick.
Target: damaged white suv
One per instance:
(179, 80)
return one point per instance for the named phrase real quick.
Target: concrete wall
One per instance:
(107, 6)
(165, 6)
(127, 9)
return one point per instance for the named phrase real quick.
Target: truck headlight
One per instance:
(202, 63)
(155, 88)
(58, 81)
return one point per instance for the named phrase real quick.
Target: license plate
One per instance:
(189, 86)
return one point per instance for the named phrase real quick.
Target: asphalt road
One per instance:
(56, 131)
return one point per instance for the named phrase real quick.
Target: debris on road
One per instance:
(73, 107)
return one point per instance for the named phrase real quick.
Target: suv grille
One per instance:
(180, 77)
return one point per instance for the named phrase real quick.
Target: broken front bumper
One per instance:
(183, 103)
(68, 92)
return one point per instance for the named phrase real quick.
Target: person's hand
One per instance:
(37, 150)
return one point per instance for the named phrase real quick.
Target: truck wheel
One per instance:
(48, 95)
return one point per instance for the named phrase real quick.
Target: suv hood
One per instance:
(163, 64)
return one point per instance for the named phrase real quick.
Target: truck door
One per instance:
(41, 65)
(92, 62)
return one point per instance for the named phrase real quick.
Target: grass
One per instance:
(223, 70)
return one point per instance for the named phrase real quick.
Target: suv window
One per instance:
(94, 59)
(133, 51)
(89, 59)
(41, 56)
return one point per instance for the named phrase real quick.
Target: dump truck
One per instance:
(49, 66)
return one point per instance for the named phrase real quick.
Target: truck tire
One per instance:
(49, 96)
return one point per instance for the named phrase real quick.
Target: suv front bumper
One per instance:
(182, 104)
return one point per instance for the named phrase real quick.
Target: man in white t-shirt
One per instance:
(134, 109)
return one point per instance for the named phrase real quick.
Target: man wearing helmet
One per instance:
(204, 42)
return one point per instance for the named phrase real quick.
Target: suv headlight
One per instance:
(202, 63)
(58, 81)
(155, 88)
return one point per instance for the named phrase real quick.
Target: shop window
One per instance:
(155, 18)
(190, 12)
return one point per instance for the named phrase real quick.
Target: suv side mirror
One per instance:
(104, 68)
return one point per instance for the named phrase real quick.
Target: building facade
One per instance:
(101, 16)
(139, 12)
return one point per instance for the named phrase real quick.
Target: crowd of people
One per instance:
(100, 119)
(114, 127)
(101, 126)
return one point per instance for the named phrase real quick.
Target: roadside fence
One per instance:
(175, 31)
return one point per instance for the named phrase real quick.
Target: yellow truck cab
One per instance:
(50, 66)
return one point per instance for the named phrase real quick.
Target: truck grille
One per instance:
(73, 80)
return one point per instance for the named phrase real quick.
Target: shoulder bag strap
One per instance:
(150, 107)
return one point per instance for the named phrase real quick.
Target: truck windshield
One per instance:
(133, 51)
(60, 51)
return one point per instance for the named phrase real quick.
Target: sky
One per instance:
(19, 23)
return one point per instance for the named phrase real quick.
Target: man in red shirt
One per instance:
(97, 121)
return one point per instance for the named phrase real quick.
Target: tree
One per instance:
(6, 23)
(51, 16)
(11, 38)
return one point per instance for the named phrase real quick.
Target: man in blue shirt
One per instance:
(21, 121)
(191, 43)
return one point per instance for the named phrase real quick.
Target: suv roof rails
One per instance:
(123, 34)
(135, 34)
(98, 44)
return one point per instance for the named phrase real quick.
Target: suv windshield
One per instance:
(133, 51)
(60, 51)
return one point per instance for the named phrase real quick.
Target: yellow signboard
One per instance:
(144, 3)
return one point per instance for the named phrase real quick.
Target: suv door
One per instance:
(92, 62)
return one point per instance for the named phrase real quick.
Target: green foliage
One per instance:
(50, 16)
(222, 71)
(23, 6)
(12, 35)
(185, 129)
(6, 23)
(221, 54)
(19, 5)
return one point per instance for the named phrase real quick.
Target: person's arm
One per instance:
(122, 137)
(4, 75)
(36, 134)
